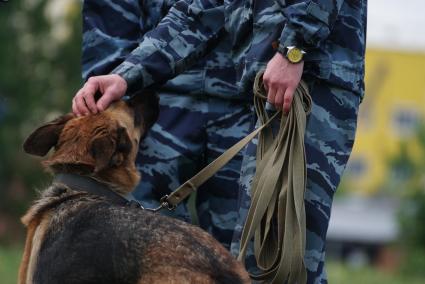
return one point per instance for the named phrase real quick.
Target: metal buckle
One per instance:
(135, 203)
(165, 204)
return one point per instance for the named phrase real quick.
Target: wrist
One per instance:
(120, 81)
(130, 75)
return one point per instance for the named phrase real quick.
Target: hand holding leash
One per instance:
(281, 79)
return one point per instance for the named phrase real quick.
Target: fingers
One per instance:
(112, 86)
(270, 87)
(90, 89)
(74, 105)
(271, 95)
(281, 97)
(79, 106)
(115, 87)
(287, 99)
(105, 100)
(275, 92)
(83, 102)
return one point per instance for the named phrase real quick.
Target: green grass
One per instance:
(10, 258)
(339, 273)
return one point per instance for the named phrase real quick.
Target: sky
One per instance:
(396, 24)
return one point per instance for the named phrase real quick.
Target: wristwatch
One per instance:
(292, 53)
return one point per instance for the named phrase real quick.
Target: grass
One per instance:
(338, 273)
(10, 258)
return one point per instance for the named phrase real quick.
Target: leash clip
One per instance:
(166, 204)
(163, 204)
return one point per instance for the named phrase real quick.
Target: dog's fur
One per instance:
(77, 237)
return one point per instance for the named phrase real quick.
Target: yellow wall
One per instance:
(395, 88)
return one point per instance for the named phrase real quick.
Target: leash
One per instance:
(171, 201)
(276, 217)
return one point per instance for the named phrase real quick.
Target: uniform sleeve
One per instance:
(308, 22)
(182, 36)
(104, 45)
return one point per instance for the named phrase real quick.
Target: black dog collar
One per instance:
(90, 185)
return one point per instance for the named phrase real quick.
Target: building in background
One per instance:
(394, 104)
(390, 115)
(364, 218)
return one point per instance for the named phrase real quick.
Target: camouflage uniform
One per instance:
(216, 48)
(201, 115)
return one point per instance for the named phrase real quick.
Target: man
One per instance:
(202, 114)
(332, 33)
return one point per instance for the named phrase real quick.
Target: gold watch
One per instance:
(292, 53)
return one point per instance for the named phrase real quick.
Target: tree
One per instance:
(408, 179)
(40, 71)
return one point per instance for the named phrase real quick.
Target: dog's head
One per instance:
(102, 145)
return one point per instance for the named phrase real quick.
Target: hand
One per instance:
(112, 87)
(280, 79)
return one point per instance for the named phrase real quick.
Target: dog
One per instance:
(76, 236)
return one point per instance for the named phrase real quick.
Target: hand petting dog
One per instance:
(112, 87)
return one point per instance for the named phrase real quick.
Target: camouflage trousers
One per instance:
(192, 131)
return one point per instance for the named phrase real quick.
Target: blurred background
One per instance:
(377, 230)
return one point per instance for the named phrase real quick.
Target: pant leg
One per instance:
(217, 200)
(329, 140)
(172, 151)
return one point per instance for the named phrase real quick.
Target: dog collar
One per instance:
(90, 185)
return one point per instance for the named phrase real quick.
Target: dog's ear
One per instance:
(110, 150)
(150, 109)
(146, 107)
(45, 137)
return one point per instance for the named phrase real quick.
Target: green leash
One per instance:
(276, 217)
(183, 191)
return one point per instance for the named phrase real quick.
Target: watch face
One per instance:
(295, 55)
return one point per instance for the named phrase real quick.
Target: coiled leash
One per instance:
(276, 217)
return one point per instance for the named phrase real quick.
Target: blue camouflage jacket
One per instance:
(217, 46)
(112, 29)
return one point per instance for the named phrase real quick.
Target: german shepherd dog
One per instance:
(77, 236)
